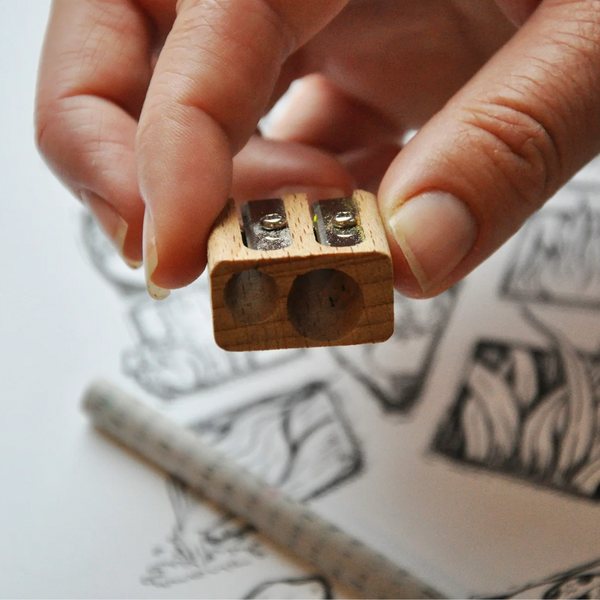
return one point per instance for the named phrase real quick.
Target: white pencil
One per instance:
(285, 521)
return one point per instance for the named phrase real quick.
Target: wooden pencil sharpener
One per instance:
(284, 274)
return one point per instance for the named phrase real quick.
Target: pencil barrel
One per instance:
(285, 521)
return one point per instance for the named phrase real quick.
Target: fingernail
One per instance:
(435, 232)
(151, 258)
(110, 221)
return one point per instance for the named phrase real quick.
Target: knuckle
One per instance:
(237, 46)
(522, 149)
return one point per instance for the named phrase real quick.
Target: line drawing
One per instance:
(531, 412)
(557, 259)
(103, 257)
(174, 353)
(313, 587)
(198, 545)
(581, 582)
(300, 442)
(395, 371)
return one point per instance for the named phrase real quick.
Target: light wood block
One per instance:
(306, 294)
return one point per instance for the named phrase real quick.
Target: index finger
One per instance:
(212, 83)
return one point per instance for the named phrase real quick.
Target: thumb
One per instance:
(497, 151)
(213, 81)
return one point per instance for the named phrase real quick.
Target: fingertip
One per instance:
(169, 264)
(184, 172)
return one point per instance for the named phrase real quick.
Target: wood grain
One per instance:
(306, 294)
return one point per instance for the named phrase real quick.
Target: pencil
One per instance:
(287, 522)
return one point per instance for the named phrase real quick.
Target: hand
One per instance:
(142, 107)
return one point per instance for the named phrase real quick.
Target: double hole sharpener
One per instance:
(284, 274)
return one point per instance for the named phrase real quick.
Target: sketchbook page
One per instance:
(466, 448)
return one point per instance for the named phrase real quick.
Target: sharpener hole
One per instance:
(251, 296)
(325, 304)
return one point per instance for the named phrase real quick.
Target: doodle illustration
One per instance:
(395, 371)
(174, 352)
(105, 259)
(288, 589)
(198, 546)
(300, 442)
(583, 582)
(530, 412)
(558, 259)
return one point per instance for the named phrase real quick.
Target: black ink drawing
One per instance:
(300, 442)
(558, 258)
(310, 588)
(106, 260)
(583, 582)
(531, 412)
(174, 352)
(197, 547)
(395, 371)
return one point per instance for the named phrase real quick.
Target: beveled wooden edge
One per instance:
(304, 255)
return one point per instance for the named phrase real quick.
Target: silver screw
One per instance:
(344, 219)
(273, 222)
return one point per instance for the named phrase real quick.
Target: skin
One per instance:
(148, 111)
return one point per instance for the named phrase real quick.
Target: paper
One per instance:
(467, 448)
